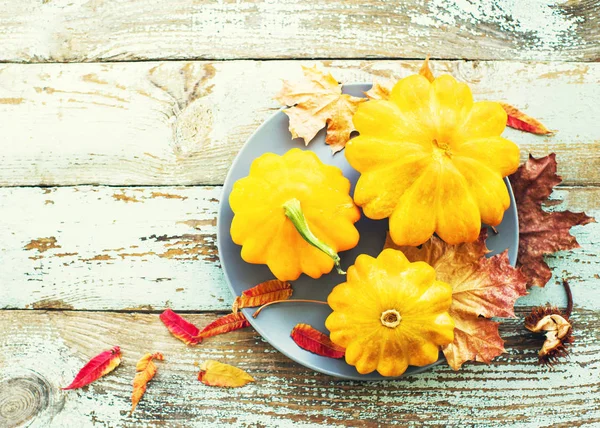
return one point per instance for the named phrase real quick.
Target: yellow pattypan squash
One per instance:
(390, 314)
(432, 160)
(293, 213)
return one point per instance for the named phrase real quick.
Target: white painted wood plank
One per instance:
(41, 351)
(105, 248)
(181, 123)
(100, 30)
(108, 248)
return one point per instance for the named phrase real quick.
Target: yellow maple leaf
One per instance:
(317, 101)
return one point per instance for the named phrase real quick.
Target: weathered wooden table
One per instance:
(119, 121)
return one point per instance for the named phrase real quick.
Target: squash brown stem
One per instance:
(258, 311)
(293, 211)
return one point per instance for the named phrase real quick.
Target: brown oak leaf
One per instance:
(481, 287)
(316, 101)
(541, 232)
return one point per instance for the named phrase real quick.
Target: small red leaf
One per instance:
(101, 364)
(519, 120)
(265, 292)
(180, 328)
(316, 342)
(225, 324)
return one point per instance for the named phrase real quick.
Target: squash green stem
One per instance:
(293, 211)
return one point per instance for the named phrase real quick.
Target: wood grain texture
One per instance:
(42, 351)
(181, 123)
(111, 30)
(140, 249)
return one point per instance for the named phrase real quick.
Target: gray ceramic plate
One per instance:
(275, 323)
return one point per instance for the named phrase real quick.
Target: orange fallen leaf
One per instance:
(382, 90)
(263, 293)
(481, 287)
(146, 369)
(317, 101)
(379, 90)
(316, 342)
(541, 232)
(214, 373)
(101, 364)
(426, 71)
(519, 120)
(180, 328)
(224, 324)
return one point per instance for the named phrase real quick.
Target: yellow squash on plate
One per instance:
(294, 214)
(390, 314)
(432, 160)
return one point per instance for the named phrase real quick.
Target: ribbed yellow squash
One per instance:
(432, 160)
(285, 203)
(390, 314)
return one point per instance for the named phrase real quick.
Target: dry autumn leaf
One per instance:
(265, 292)
(519, 120)
(180, 328)
(426, 71)
(146, 370)
(307, 337)
(481, 287)
(224, 324)
(316, 101)
(382, 90)
(541, 232)
(379, 90)
(214, 373)
(101, 364)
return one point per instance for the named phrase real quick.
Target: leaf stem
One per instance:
(293, 211)
(258, 311)
(569, 298)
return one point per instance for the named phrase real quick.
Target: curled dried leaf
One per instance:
(214, 373)
(311, 339)
(263, 293)
(523, 122)
(379, 90)
(145, 371)
(224, 324)
(180, 328)
(426, 71)
(101, 364)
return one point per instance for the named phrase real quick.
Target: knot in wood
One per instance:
(23, 399)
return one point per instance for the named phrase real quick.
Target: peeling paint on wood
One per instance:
(193, 117)
(513, 390)
(105, 254)
(102, 250)
(76, 31)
